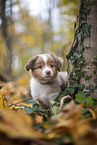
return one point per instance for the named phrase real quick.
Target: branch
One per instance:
(62, 101)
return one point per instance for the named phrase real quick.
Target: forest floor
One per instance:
(24, 122)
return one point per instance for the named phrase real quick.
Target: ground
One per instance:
(23, 121)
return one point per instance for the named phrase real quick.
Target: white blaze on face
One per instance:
(47, 71)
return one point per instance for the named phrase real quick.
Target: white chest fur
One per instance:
(44, 92)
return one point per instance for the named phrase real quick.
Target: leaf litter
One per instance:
(22, 123)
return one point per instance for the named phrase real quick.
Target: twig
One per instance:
(19, 102)
(62, 101)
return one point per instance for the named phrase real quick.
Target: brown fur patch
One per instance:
(58, 62)
(37, 72)
(31, 62)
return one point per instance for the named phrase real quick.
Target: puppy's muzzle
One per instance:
(48, 72)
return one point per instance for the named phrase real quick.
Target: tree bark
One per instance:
(90, 51)
(7, 39)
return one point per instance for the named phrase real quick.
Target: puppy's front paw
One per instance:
(42, 105)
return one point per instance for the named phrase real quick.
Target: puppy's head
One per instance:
(44, 67)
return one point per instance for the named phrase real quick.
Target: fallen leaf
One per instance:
(38, 119)
(93, 113)
(69, 122)
(3, 103)
(89, 138)
(17, 125)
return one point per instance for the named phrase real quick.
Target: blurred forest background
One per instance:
(31, 27)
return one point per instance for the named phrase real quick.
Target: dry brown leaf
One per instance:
(68, 121)
(82, 127)
(17, 125)
(72, 110)
(15, 91)
(89, 139)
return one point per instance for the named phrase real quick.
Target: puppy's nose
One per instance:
(48, 72)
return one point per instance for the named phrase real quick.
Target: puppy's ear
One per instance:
(58, 61)
(31, 63)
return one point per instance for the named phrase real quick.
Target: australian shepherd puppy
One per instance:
(46, 79)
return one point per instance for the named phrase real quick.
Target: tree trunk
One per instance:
(83, 52)
(90, 45)
(8, 68)
(7, 39)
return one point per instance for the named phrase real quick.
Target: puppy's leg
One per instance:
(43, 105)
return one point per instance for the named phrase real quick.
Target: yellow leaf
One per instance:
(83, 126)
(38, 119)
(51, 135)
(3, 103)
(16, 108)
(17, 125)
(93, 113)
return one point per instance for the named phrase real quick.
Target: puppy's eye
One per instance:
(40, 67)
(51, 65)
